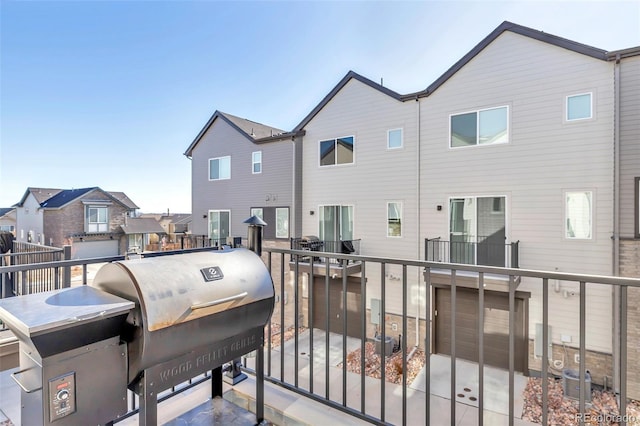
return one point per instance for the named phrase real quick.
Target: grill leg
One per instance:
(148, 414)
(216, 382)
(260, 384)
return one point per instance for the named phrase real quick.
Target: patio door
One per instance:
(477, 231)
(219, 225)
(336, 223)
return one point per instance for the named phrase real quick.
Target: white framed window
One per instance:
(97, 218)
(220, 168)
(256, 162)
(579, 107)
(394, 219)
(336, 151)
(258, 212)
(578, 215)
(394, 139)
(488, 126)
(219, 225)
(282, 222)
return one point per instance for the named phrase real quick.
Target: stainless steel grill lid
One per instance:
(180, 288)
(189, 301)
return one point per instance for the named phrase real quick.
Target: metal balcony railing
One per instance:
(311, 362)
(485, 252)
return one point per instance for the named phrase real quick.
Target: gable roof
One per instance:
(5, 210)
(253, 131)
(517, 29)
(351, 75)
(64, 197)
(505, 26)
(142, 225)
(40, 194)
(123, 198)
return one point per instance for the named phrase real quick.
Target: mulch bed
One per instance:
(277, 335)
(393, 364)
(603, 409)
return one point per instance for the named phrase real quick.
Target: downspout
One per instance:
(616, 224)
(418, 211)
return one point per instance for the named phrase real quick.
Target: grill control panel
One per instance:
(62, 396)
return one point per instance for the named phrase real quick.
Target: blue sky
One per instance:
(111, 93)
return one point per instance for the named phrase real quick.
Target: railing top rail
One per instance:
(552, 275)
(87, 261)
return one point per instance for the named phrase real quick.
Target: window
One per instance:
(578, 215)
(219, 225)
(220, 168)
(394, 138)
(282, 222)
(394, 219)
(579, 107)
(97, 219)
(6, 228)
(258, 212)
(482, 127)
(256, 162)
(336, 151)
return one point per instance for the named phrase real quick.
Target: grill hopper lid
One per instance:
(170, 290)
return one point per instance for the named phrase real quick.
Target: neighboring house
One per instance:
(8, 219)
(525, 153)
(88, 219)
(176, 227)
(241, 168)
(141, 232)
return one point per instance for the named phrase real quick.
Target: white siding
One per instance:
(544, 158)
(29, 218)
(245, 189)
(629, 142)
(378, 175)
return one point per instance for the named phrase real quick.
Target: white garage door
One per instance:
(87, 249)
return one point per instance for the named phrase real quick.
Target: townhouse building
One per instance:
(525, 154)
(242, 168)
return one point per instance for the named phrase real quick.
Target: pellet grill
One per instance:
(145, 324)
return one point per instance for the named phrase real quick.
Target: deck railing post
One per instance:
(66, 254)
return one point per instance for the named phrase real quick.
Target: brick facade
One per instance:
(630, 267)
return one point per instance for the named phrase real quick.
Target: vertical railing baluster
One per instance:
(327, 328)
(363, 305)
(480, 348)
(452, 394)
(269, 330)
(282, 307)
(583, 335)
(403, 344)
(623, 354)
(427, 345)
(344, 334)
(545, 351)
(383, 346)
(310, 293)
(512, 347)
(296, 320)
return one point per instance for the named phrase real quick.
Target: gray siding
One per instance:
(629, 142)
(544, 158)
(245, 189)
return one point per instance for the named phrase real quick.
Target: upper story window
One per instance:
(578, 215)
(97, 219)
(220, 168)
(579, 107)
(336, 151)
(394, 219)
(256, 162)
(394, 138)
(481, 127)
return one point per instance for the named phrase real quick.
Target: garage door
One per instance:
(496, 327)
(88, 249)
(335, 305)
